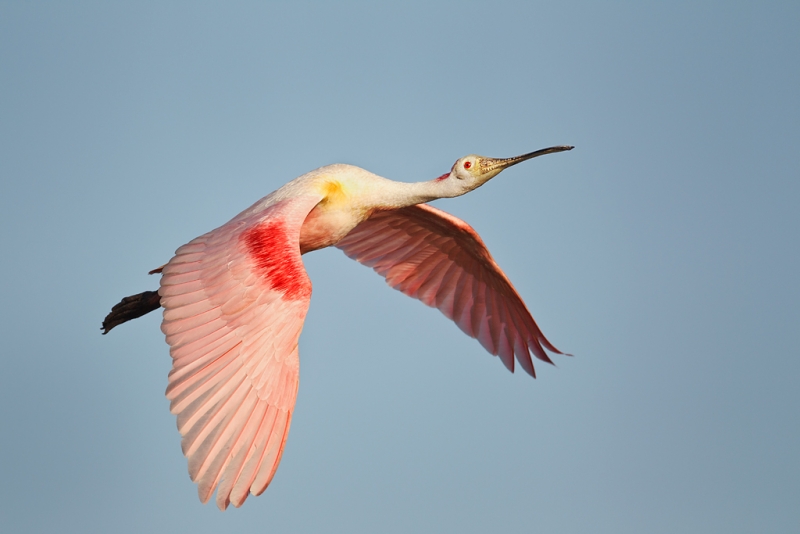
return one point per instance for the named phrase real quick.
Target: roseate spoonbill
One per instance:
(235, 300)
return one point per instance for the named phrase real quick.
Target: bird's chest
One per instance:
(326, 226)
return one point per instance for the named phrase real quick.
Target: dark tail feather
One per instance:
(131, 308)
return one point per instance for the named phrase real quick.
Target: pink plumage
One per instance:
(232, 317)
(439, 259)
(235, 300)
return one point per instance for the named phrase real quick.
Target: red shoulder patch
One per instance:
(277, 260)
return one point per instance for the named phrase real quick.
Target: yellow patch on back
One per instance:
(335, 192)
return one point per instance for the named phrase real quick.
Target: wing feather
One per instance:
(219, 456)
(234, 304)
(254, 459)
(240, 452)
(191, 347)
(439, 259)
(272, 454)
(463, 304)
(191, 362)
(445, 297)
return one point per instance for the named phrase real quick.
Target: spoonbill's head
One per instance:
(473, 171)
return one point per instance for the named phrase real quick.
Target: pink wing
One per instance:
(234, 304)
(439, 259)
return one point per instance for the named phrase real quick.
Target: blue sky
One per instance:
(662, 252)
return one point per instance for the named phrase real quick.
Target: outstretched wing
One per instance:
(234, 304)
(439, 259)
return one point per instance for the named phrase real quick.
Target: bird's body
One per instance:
(235, 300)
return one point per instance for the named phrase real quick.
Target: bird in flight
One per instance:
(235, 300)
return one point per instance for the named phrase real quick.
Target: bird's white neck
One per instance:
(395, 195)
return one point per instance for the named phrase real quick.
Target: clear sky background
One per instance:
(664, 252)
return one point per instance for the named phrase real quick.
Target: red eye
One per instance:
(467, 164)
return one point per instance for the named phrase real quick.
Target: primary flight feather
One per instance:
(235, 300)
